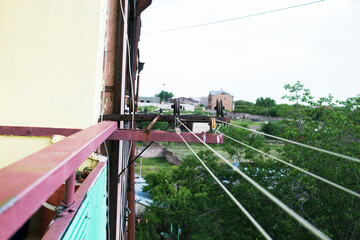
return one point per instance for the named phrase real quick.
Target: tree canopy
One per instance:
(189, 199)
(164, 95)
(263, 106)
(265, 102)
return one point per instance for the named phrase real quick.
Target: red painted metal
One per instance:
(59, 226)
(69, 201)
(36, 131)
(141, 117)
(162, 136)
(120, 134)
(27, 183)
(69, 190)
(152, 123)
(131, 195)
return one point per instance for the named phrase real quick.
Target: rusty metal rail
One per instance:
(163, 118)
(162, 136)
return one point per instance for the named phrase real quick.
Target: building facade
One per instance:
(226, 98)
(204, 101)
(149, 100)
(191, 101)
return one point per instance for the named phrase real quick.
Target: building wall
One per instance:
(188, 101)
(149, 99)
(51, 67)
(204, 101)
(227, 101)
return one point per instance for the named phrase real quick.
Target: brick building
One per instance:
(226, 98)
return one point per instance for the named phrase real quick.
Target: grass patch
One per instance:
(246, 123)
(182, 151)
(275, 149)
(151, 165)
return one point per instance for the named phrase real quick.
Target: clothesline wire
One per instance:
(274, 199)
(248, 215)
(294, 142)
(297, 168)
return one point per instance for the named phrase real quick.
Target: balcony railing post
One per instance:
(69, 201)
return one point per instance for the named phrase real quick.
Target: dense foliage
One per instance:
(189, 199)
(263, 107)
(164, 95)
(265, 102)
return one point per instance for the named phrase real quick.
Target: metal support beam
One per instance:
(162, 118)
(162, 136)
(131, 195)
(36, 131)
(152, 123)
(69, 201)
(119, 134)
(42, 173)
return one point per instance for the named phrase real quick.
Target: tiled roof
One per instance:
(218, 92)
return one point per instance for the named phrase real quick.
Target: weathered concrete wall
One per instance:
(251, 117)
(154, 151)
(171, 157)
(158, 151)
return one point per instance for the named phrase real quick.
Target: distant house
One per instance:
(204, 101)
(184, 100)
(191, 101)
(226, 98)
(149, 99)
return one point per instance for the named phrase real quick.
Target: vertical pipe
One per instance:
(131, 197)
(110, 61)
(69, 191)
(137, 91)
(135, 34)
(120, 220)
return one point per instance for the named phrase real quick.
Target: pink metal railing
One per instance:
(26, 184)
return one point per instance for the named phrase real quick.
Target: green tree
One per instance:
(190, 199)
(164, 95)
(243, 103)
(265, 102)
(331, 125)
(272, 128)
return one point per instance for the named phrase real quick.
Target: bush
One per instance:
(272, 128)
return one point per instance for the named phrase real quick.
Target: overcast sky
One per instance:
(317, 44)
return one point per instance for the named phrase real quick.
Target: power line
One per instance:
(298, 168)
(274, 199)
(296, 143)
(231, 19)
(248, 215)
